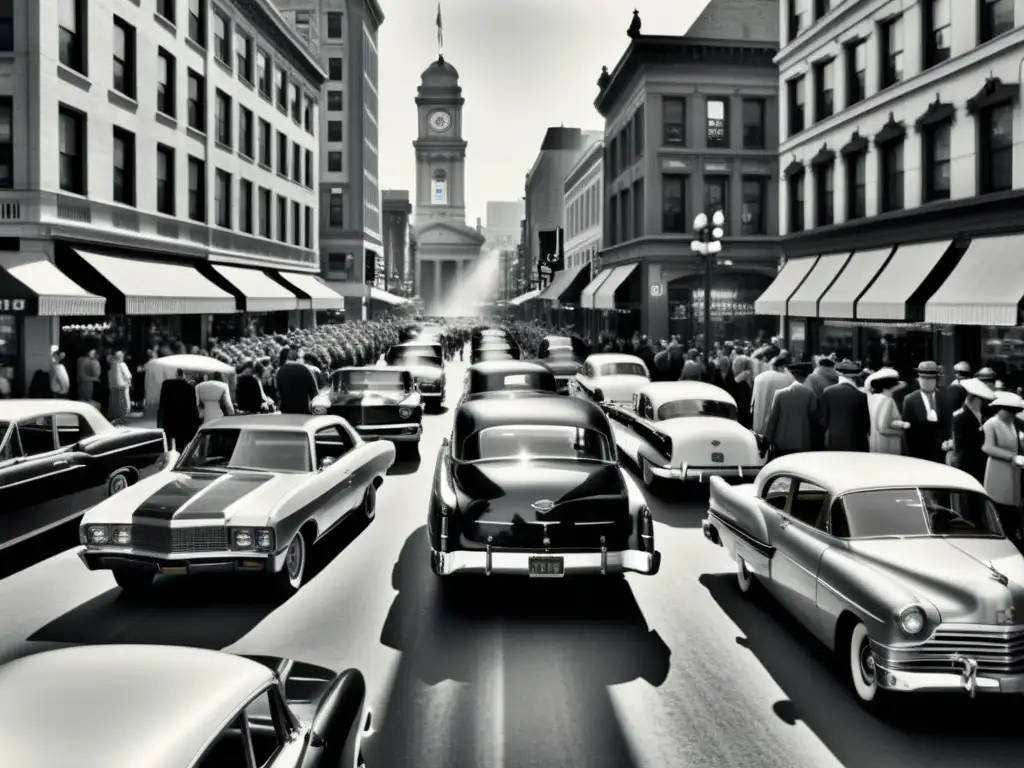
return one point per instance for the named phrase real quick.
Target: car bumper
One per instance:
(895, 679)
(432, 395)
(703, 474)
(396, 433)
(181, 563)
(518, 563)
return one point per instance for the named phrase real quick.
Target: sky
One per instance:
(524, 66)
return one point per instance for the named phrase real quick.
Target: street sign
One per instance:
(657, 289)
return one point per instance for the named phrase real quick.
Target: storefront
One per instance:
(561, 298)
(314, 296)
(614, 297)
(264, 305)
(733, 312)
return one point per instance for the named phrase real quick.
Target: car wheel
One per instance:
(132, 581)
(117, 483)
(744, 576)
(861, 670)
(294, 570)
(370, 503)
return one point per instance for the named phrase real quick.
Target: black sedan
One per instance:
(536, 492)
(564, 355)
(426, 364)
(507, 378)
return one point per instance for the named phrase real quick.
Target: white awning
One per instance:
(604, 297)
(561, 282)
(841, 299)
(260, 293)
(889, 295)
(804, 303)
(524, 297)
(37, 281)
(320, 295)
(159, 288)
(587, 295)
(985, 288)
(376, 294)
(773, 300)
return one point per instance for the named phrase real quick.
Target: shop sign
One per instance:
(12, 305)
(657, 289)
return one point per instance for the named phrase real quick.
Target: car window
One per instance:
(37, 435)
(646, 409)
(623, 369)
(228, 749)
(331, 442)
(776, 492)
(677, 409)
(838, 525)
(71, 428)
(265, 729)
(274, 450)
(808, 505)
(531, 440)
(920, 512)
(10, 442)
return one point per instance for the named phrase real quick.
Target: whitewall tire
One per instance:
(117, 483)
(293, 572)
(861, 666)
(744, 576)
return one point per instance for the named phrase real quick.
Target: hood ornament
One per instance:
(542, 505)
(1002, 578)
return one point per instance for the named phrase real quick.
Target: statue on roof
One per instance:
(634, 27)
(604, 79)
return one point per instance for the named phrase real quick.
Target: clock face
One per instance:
(440, 121)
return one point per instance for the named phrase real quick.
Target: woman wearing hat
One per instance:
(886, 426)
(968, 436)
(1002, 471)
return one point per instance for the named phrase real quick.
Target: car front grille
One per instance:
(164, 540)
(998, 650)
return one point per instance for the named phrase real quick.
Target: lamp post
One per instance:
(708, 246)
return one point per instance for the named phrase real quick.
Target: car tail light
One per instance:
(645, 526)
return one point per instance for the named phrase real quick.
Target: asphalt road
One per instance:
(674, 670)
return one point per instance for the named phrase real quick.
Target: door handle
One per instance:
(784, 522)
(62, 463)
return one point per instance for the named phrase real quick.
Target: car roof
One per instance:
(284, 422)
(18, 409)
(613, 357)
(662, 392)
(137, 705)
(841, 472)
(491, 367)
(548, 410)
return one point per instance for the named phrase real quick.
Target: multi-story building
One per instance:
(158, 175)
(397, 227)
(502, 228)
(343, 33)
(690, 127)
(904, 177)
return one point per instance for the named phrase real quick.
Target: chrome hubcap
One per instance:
(294, 562)
(867, 664)
(118, 484)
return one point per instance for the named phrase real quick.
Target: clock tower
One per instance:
(440, 148)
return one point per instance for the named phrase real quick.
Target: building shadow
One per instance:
(917, 730)
(555, 647)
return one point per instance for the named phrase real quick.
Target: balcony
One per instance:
(32, 214)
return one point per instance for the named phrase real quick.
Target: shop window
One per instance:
(995, 156)
(1002, 351)
(937, 162)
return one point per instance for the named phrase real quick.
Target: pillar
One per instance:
(459, 274)
(438, 264)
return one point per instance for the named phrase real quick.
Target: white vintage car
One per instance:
(610, 378)
(684, 430)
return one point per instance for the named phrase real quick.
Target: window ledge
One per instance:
(224, 66)
(247, 158)
(195, 133)
(169, 120)
(223, 147)
(74, 77)
(195, 46)
(266, 167)
(246, 82)
(166, 23)
(122, 100)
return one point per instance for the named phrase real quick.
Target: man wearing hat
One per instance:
(926, 432)
(968, 436)
(766, 384)
(951, 397)
(793, 422)
(844, 411)
(824, 375)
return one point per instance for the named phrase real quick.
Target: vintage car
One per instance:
(564, 355)
(898, 565)
(536, 491)
(507, 377)
(59, 457)
(492, 353)
(178, 707)
(610, 378)
(426, 364)
(684, 430)
(491, 335)
(250, 494)
(381, 403)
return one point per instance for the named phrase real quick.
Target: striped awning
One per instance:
(33, 285)
(985, 288)
(376, 294)
(604, 296)
(316, 295)
(524, 297)
(840, 301)
(561, 285)
(588, 293)
(773, 300)
(891, 296)
(804, 302)
(260, 292)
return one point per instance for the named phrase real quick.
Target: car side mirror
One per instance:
(338, 719)
(328, 461)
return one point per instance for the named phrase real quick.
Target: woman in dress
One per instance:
(1002, 472)
(886, 425)
(120, 379)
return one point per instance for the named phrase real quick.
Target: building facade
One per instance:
(158, 176)
(691, 127)
(903, 181)
(344, 35)
(584, 214)
(397, 229)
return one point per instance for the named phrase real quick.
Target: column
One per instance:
(459, 275)
(438, 268)
(418, 276)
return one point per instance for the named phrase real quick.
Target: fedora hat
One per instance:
(929, 369)
(848, 367)
(986, 374)
(1008, 401)
(977, 388)
(963, 368)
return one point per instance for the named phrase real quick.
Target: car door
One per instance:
(649, 439)
(335, 484)
(622, 419)
(88, 484)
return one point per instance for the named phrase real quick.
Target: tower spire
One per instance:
(440, 34)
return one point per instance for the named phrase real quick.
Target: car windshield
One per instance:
(526, 442)
(271, 450)
(678, 409)
(496, 382)
(410, 357)
(623, 369)
(376, 380)
(919, 512)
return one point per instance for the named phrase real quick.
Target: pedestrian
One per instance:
(793, 420)
(88, 375)
(60, 382)
(178, 411)
(296, 384)
(766, 384)
(887, 427)
(925, 435)
(1003, 468)
(968, 442)
(952, 396)
(692, 369)
(119, 378)
(845, 417)
(824, 375)
(741, 386)
(213, 397)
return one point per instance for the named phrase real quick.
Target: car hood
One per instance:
(620, 389)
(183, 497)
(957, 575)
(369, 399)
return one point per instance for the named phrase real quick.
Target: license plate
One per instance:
(547, 567)
(717, 458)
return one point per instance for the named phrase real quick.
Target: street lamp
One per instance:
(708, 246)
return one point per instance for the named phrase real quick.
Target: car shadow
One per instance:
(531, 662)
(674, 504)
(40, 547)
(406, 465)
(917, 730)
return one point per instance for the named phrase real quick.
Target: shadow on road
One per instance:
(918, 730)
(406, 465)
(556, 645)
(38, 548)
(679, 505)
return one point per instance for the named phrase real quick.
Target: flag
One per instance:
(440, 27)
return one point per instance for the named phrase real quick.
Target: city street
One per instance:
(674, 670)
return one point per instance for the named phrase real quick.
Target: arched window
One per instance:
(439, 188)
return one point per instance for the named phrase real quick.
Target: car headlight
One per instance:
(911, 620)
(404, 413)
(122, 535)
(97, 535)
(252, 539)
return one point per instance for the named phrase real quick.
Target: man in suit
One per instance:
(926, 433)
(824, 376)
(844, 412)
(296, 384)
(952, 396)
(177, 413)
(968, 437)
(766, 384)
(793, 422)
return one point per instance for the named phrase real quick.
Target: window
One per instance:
(799, 17)
(223, 117)
(263, 212)
(196, 101)
(821, 8)
(282, 219)
(243, 56)
(342, 266)
(336, 212)
(266, 150)
(262, 714)
(263, 73)
(856, 186)
(296, 224)
(673, 204)
(124, 167)
(6, 25)
(196, 189)
(824, 89)
(937, 162)
(302, 25)
(334, 162)
(308, 177)
(892, 176)
(165, 90)
(222, 198)
(165, 8)
(221, 38)
(892, 51)
(334, 130)
(296, 103)
(673, 122)
(307, 119)
(752, 218)
(716, 195)
(335, 101)
(197, 21)
(638, 131)
(996, 18)
(797, 100)
(165, 180)
(124, 57)
(795, 190)
(282, 154)
(245, 206)
(334, 69)
(72, 22)
(296, 163)
(995, 126)
(6, 142)
(936, 25)
(717, 129)
(72, 151)
(824, 193)
(856, 71)
(281, 87)
(245, 137)
(753, 124)
(335, 28)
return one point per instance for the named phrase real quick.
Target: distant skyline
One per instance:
(524, 66)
